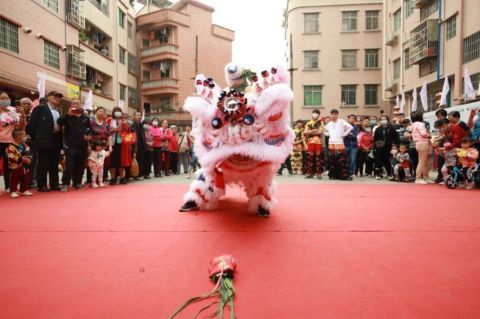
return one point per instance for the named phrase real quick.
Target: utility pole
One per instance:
(291, 69)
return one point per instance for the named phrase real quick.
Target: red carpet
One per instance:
(328, 251)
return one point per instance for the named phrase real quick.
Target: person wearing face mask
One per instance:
(384, 137)
(148, 150)
(313, 133)
(365, 145)
(99, 134)
(337, 129)
(421, 137)
(19, 161)
(157, 135)
(76, 134)
(351, 144)
(141, 144)
(47, 137)
(165, 154)
(121, 157)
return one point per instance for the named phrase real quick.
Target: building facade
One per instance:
(426, 41)
(176, 44)
(334, 51)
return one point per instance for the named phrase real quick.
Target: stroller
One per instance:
(456, 176)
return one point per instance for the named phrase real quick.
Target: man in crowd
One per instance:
(47, 137)
(351, 144)
(336, 130)
(458, 128)
(313, 133)
(137, 127)
(76, 130)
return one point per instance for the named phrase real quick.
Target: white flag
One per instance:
(88, 105)
(424, 97)
(41, 84)
(414, 100)
(121, 104)
(445, 90)
(468, 86)
(143, 116)
(397, 101)
(478, 93)
(402, 103)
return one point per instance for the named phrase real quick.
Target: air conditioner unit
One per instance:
(391, 39)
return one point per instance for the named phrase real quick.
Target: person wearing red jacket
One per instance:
(173, 149)
(365, 144)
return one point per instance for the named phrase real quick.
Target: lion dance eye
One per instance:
(265, 73)
(248, 119)
(274, 70)
(217, 123)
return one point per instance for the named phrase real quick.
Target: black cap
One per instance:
(55, 93)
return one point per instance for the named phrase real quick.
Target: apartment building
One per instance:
(175, 44)
(334, 51)
(426, 41)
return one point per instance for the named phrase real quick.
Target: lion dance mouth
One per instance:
(242, 135)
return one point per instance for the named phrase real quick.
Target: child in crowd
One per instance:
(402, 162)
(19, 160)
(96, 159)
(449, 152)
(467, 158)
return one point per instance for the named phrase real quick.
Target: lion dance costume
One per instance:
(242, 135)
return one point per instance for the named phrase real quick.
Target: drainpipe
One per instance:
(384, 51)
(458, 76)
(439, 33)
(402, 29)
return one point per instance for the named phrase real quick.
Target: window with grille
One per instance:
(146, 75)
(451, 27)
(122, 91)
(371, 94)
(8, 35)
(312, 95)
(51, 4)
(426, 11)
(165, 67)
(349, 59)
(396, 69)
(130, 30)
(349, 94)
(471, 47)
(76, 62)
(428, 67)
(408, 5)
(121, 18)
(51, 55)
(371, 20)
(311, 59)
(397, 20)
(371, 58)
(165, 103)
(76, 13)
(162, 35)
(311, 24)
(121, 55)
(349, 21)
(132, 64)
(406, 59)
(145, 43)
(132, 97)
(475, 78)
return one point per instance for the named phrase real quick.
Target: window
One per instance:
(406, 59)
(475, 78)
(451, 27)
(371, 58)
(51, 4)
(349, 59)
(349, 21)
(130, 29)
(76, 62)
(102, 5)
(132, 64)
(312, 95)
(121, 18)
(397, 20)
(146, 75)
(76, 13)
(408, 4)
(132, 97)
(349, 94)
(165, 67)
(51, 55)
(311, 59)
(311, 24)
(471, 47)
(428, 67)
(146, 43)
(426, 11)
(162, 35)
(121, 55)
(121, 92)
(371, 94)
(8, 35)
(396, 69)
(371, 20)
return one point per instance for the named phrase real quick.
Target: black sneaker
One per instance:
(44, 189)
(309, 176)
(262, 212)
(123, 181)
(113, 181)
(189, 206)
(78, 186)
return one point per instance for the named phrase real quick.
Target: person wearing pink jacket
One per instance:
(156, 133)
(421, 137)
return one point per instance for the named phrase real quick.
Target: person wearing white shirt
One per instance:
(336, 130)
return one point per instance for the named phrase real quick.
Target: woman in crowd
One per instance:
(148, 150)
(365, 145)
(173, 149)
(184, 151)
(421, 137)
(157, 145)
(165, 154)
(384, 137)
(99, 133)
(121, 157)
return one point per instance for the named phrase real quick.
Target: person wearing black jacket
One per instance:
(76, 129)
(141, 147)
(384, 137)
(47, 137)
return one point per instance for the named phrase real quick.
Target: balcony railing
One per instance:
(164, 48)
(173, 116)
(168, 82)
(423, 41)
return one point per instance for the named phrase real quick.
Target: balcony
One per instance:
(76, 13)
(391, 86)
(421, 3)
(160, 86)
(391, 39)
(161, 52)
(160, 18)
(174, 116)
(423, 41)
